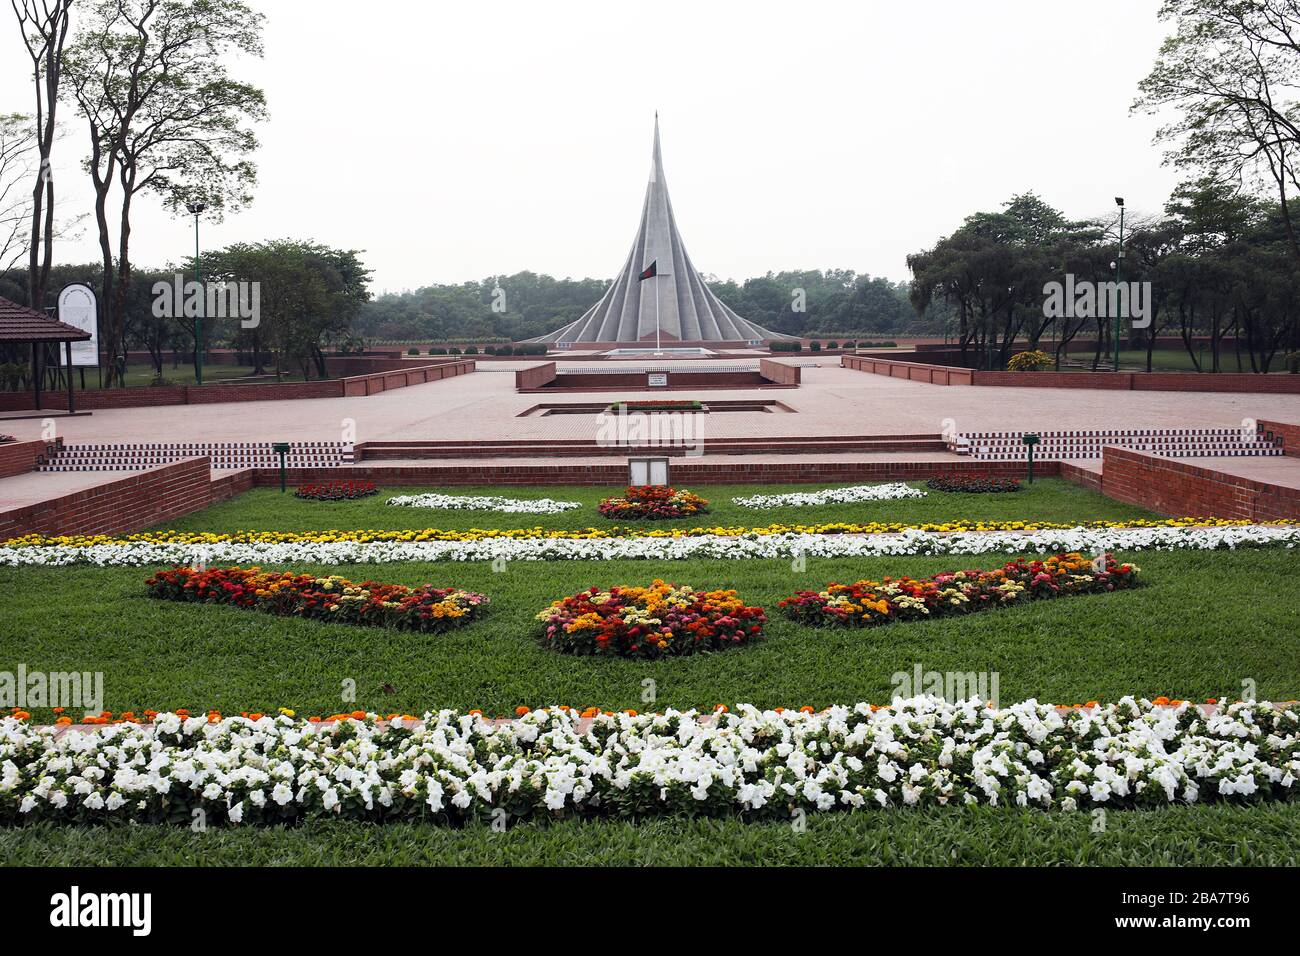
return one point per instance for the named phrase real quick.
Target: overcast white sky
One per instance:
(453, 141)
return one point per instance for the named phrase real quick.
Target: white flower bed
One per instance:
(1084, 540)
(886, 492)
(528, 506)
(763, 764)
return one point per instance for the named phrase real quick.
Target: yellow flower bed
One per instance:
(483, 534)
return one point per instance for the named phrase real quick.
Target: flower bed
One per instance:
(6, 439)
(870, 603)
(886, 492)
(663, 620)
(973, 484)
(338, 489)
(756, 764)
(653, 503)
(532, 506)
(333, 598)
(594, 544)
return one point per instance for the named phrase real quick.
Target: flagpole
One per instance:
(658, 348)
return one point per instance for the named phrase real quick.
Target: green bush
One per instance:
(816, 346)
(413, 351)
(471, 350)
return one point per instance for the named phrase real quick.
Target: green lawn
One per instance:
(266, 509)
(958, 836)
(141, 375)
(1203, 623)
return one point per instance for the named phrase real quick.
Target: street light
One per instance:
(196, 208)
(1119, 271)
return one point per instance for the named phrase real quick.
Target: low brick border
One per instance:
(1240, 382)
(346, 387)
(1165, 485)
(20, 457)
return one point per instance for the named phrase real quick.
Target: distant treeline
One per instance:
(527, 304)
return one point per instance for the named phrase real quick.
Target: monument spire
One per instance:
(671, 303)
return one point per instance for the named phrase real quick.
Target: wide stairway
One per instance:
(225, 456)
(1072, 445)
(587, 447)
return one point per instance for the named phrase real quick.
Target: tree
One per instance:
(44, 28)
(309, 295)
(16, 152)
(1230, 71)
(164, 117)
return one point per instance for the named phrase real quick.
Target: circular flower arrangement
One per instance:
(663, 620)
(868, 603)
(653, 502)
(332, 598)
(338, 489)
(987, 484)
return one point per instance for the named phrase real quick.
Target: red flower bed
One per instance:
(338, 489)
(868, 603)
(332, 598)
(663, 620)
(973, 484)
(653, 502)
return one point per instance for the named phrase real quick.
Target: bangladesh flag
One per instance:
(650, 272)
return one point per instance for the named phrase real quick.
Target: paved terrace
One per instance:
(831, 401)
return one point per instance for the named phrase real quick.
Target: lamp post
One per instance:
(281, 448)
(1119, 272)
(196, 208)
(1030, 439)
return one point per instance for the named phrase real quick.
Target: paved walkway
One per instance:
(832, 401)
(1275, 471)
(32, 488)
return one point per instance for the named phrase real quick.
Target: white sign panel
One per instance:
(647, 471)
(658, 379)
(77, 308)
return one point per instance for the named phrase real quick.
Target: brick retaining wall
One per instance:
(117, 507)
(1247, 382)
(350, 386)
(20, 457)
(536, 376)
(1176, 488)
(912, 371)
(684, 472)
(779, 373)
(1290, 435)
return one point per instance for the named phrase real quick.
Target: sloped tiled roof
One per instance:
(21, 324)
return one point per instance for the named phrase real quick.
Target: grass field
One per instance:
(266, 509)
(1202, 623)
(950, 836)
(141, 375)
